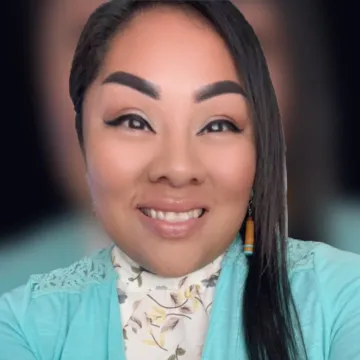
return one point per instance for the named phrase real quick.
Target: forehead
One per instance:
(164, 43)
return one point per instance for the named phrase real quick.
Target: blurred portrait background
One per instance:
(46, 218)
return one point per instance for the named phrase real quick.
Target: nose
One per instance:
(177, 164)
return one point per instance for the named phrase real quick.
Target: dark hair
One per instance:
(270, 320)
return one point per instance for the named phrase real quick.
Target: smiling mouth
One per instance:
(173, 217)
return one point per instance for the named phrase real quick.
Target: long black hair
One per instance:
(270, 321)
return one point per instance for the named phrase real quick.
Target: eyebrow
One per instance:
(133, 82)
(219, 88)
(147, 88)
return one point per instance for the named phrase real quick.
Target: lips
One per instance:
(172, 219)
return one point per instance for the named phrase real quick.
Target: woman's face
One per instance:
(59, 28)
(170, 156)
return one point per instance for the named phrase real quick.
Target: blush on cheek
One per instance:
(115, 165)
(233, 176)
(232, 167)
(238, 175)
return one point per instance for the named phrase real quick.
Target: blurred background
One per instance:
(46, 220)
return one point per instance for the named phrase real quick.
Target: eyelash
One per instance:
(220, 124)
(142, 124)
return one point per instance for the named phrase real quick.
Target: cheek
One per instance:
(232, 170)
(234, 181)
(114, 165)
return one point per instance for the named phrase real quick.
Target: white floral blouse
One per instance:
(164, 318)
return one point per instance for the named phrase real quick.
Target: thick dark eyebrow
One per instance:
(147, 88)
(219, 88)
(134, 82)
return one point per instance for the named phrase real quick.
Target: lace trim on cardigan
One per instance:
(99, 267)
(300, 254)
(76, 277)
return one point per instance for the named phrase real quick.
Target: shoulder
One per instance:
(331, 276)
(47, 302)
(330, 268)
(325, 284)
(40, 249)
(321, 258)
(76, 277)
(73, 279)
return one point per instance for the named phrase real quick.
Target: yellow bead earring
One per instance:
(249, 230)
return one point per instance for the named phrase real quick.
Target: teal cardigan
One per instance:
(73, 313)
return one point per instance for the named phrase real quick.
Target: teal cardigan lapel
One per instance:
(224, 340)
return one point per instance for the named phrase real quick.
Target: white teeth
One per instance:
(197, 213)
(152, 213)
(173, 216)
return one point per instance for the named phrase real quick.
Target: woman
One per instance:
(182, 139)
(71, 232)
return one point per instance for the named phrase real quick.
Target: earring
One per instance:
(249, 230)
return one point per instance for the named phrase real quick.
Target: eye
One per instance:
(131, 121)
(220, 125)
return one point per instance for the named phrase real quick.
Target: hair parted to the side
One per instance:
(270, 322)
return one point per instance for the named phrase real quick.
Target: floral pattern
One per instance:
(164, 319)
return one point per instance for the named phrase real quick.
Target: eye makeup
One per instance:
(219, 126)
(130, 120)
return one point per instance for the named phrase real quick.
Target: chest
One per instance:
(96, 327)
(96, 330)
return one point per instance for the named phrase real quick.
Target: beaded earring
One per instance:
(249, 230)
